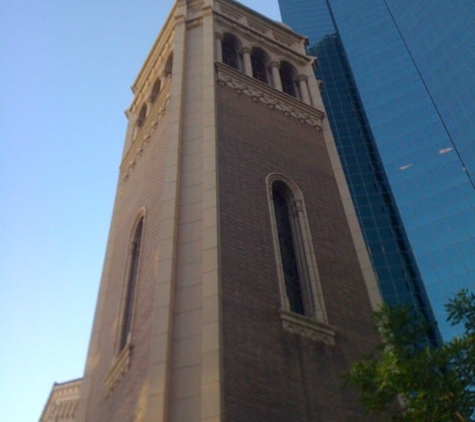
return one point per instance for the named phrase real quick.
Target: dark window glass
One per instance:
(155, 90)
(142, 116)
(259, 70)
(131, 283)
(286, 77)
(281, 197)
(230, 54)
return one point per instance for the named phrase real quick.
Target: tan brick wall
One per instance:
(270, 374)
(142, 189)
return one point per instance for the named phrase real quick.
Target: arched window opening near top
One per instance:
(259, 65)
(289, 250)
(142, 115)
(155, 90)
(230, 48)
(169, 65)
(288, 75)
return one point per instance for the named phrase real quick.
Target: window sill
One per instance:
(306, 327)
(118, 369)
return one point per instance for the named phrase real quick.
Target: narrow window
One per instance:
(169, 65)
(230, 51)
(299, 282)
(282, 198)
(155, 90)
(259, 67)
(134, 255)
(142, 116)
(287, 76)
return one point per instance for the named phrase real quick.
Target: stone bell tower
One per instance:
(236, 286)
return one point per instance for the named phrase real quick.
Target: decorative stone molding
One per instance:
(157, 56)
(144, 135)
(278, 32)
(306, 327)
(265, 94)
(118, 369)
(195, 5)
(258, 26)
(232, 12)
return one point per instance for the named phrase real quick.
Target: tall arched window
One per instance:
(259, 64)
(132, 271)
(288, 75)
(289, 236)
(230, 48)
(299, 282)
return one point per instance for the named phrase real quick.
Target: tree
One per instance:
(413, 380)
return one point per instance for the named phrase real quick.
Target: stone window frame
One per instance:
(314, 324)
(129, 296)
(121, 362)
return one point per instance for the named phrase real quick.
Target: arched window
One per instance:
(132, 271)
(169, 65)
(259, 64)
(283, 202)
(155, 90)
(299, 282)
(288, 75)
(230, 48)
(142, 115)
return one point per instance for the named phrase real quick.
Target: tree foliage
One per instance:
(412, 380)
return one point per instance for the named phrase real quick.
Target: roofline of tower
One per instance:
(278, 24)
(170, 23)
(166, 28)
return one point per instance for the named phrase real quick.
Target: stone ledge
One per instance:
(307, 327)
(118, 369)
(264, 93)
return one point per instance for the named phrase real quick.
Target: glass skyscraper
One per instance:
(399, 88)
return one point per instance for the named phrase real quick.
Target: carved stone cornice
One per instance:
(265, 94)
(252, 28)
(258, 23)
(158, 54)
(151, 122)
(307, 327)
(118, 369)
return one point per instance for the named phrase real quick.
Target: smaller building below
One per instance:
(62, 402)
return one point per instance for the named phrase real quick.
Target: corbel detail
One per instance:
(265, 94)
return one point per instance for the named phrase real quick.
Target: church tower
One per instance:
(236, 286)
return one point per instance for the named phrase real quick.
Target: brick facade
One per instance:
(271, 374)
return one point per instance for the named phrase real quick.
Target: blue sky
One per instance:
(66, 70)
